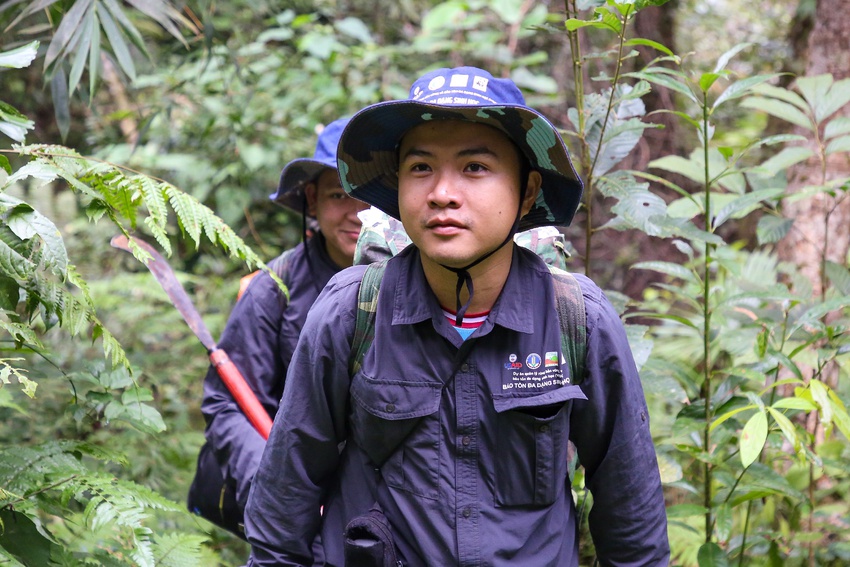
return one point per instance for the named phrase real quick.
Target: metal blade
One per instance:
(166, 278)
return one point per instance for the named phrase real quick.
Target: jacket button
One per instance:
(466, 513)
(464, 367)
(465, 440)
(543, 428)
(390, 408)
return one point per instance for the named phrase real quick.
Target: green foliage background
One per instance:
(175, 120)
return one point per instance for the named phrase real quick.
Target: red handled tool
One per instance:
(230, 375)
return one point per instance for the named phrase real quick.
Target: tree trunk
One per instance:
(820, 224)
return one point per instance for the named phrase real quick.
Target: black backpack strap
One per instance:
(367, 306)
(569, 302)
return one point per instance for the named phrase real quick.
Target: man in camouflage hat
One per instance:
(263, 328)
(449, 443)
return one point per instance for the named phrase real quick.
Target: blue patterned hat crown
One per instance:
(368, 150)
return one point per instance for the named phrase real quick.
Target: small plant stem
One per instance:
(707, 326)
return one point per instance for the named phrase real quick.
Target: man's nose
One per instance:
(444, 192)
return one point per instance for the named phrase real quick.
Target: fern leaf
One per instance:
(19, 332)
(189, 212)
(179, 550)
(7, 370)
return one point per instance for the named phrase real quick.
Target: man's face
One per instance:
(459, 190)
(336, 214)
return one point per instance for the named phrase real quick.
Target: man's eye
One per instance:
(475, 168)
(338, 195)
(419, 167)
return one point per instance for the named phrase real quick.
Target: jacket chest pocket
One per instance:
(396, 423)
(533, 434)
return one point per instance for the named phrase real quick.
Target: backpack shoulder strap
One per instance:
(569, 302)
(367, 307)
(280, 265)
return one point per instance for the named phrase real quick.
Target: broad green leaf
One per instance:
(782, 161)
(706, 80)
(772, 229)
(839, 415)
(794, 403)
(838, 126)
(728, 55)
(839, 277)
(753, 438)
(741, 88)
(20, 57)
(5, 165)
(711, 555)
(691, 169)
(442, 16)
(664, 80)
(779, 109)
(685, 511)
(782, 94)
(534, 82)
(841, 144)
(13, 123)
(723, 521)
(744, 205)
(648, 43)
(27, 223)
(355, 28)
(729, 415)
(820, 310)
(824, 95)
(119, 46)
(820, 395)
(667, 268)
(26, 540)
(785, 425)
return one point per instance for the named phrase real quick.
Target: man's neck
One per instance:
(488, 279)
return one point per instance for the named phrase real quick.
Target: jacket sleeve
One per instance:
(628, 520)
(251, 340)
(283, 513)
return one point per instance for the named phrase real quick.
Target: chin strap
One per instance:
(464, 277)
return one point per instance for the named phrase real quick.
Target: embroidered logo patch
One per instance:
(533, 361)
(551, 359)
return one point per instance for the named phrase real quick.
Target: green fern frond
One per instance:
(179, 550)
(189, 212)
(7, 370)
(20, 333)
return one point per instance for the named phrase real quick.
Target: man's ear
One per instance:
(312, 198)
(535, 180)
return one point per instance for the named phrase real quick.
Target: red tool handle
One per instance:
(242, 392)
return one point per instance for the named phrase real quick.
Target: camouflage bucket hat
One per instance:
(299, 172)
(368, 150)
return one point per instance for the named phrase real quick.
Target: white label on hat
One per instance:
(437, 83)
(417, 92)
(480, 83)
(459, 80)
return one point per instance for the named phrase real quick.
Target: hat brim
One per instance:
(368, 154)
(294, 177)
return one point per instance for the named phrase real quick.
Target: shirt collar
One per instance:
(414, 302)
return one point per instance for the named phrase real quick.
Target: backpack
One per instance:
(569, 303)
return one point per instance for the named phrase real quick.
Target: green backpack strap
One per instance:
(569, 302)
(367, 307)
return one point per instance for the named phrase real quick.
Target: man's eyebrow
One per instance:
(474, 151)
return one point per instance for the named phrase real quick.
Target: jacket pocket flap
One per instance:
(394, 399)
(507, 402)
